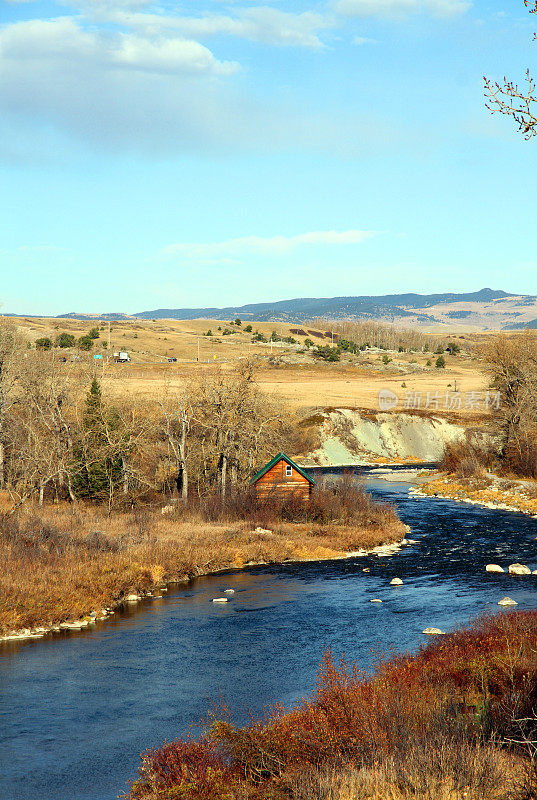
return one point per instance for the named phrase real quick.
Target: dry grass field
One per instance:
(285, 369)
(61, 561)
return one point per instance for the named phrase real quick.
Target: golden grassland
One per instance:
(519, 495)
(282, 371)
(61, 562)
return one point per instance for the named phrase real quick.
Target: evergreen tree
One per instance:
(100, 452)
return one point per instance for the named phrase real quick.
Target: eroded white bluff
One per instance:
(494, 568)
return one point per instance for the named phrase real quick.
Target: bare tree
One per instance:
(519, 103)
(236, 425)
(177, 412)
(12, 348)
(512, 365)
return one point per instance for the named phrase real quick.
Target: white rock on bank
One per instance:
(519, 569)
(386, 549)
(262, 530)
(494, 568)
(229, 591)
(507, 601)
(433, 632)
(396, 582)
(132, 598)
(220, 600)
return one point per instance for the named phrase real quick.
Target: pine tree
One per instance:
(99, 453)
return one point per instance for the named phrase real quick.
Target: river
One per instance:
(76, 709)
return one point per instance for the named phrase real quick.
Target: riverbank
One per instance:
(64, 567)
(484, 489)
(453, 722)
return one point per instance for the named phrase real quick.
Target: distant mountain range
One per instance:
(483, 310)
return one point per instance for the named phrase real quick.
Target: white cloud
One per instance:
(217, 252)
(259, 23)
(399, 8)
(50, 42)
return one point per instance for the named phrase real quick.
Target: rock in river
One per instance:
(396, 582)
(507, 601)
(433, 632)
(494, 568)
(519, 569)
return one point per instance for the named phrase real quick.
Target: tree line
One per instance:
(63, 435)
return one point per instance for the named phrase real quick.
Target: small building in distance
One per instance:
(281, 478)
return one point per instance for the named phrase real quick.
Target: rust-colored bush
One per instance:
(342, 501)
(439, 724)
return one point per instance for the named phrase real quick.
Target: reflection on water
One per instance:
(76, 710)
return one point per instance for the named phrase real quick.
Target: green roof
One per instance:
(274, 461)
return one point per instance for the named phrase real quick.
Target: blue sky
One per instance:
(216, 153)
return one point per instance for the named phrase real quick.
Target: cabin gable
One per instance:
(282, 477)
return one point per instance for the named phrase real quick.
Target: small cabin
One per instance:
(281, 477)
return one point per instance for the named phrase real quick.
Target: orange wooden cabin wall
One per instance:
(276, 482)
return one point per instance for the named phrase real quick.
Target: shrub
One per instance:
(425, 726)
(248, 328)
(94, 333)
(65, 340)
(44, 343)
(342, 502)
(466, 460)
(327, 353)
(440, 362)
(85, 343)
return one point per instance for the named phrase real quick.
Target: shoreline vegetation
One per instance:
(456, 721)
(490, 491)
(65, 566)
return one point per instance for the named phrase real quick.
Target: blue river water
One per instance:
(77, 709)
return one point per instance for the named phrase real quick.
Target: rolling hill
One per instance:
(487, 309)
